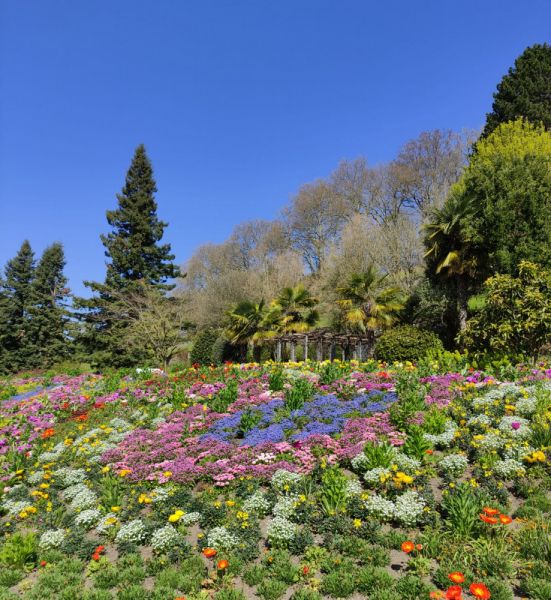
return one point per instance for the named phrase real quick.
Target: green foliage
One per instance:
(525, 91)
(223, 351)
(201, 352)
(333, 492)
(276, 381)
(379, 454)
(406, 343)
(19, 551)
(298, 394)
(416, 445)
(509, 183)
(517, 313)
(461, 507)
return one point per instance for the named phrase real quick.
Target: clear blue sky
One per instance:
(238, 102)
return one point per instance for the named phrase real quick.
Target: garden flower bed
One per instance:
(304, 481)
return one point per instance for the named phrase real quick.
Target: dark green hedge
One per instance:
(404, 343)
(203, 346)
(223, 351)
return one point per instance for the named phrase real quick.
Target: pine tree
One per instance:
(134, 256)
(16, 341)
(49, 314)
(525, 92)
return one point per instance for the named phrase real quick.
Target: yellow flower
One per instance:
(105, 469)
(44, 485)
(357, 523)
(174, 518)
(230, 502)
(19, 472)
(125, 472)
(115, 508)
(180, 513)
(167, 474)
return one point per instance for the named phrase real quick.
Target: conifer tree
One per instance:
(525, 92)
(134, 256)
(16, 297)
(49, 314)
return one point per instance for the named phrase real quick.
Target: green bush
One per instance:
(223, 351)
(405, 342)
(201, 353)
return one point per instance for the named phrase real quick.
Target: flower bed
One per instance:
(294, 479)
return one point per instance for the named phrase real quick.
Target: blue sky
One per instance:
(238, 103)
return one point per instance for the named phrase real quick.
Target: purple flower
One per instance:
(515, 425)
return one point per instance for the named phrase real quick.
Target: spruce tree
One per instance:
(16, 340)
(49, 314)
(134, 257)
(525, 92)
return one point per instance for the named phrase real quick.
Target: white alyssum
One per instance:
(164, 538)
(408, 508)
(381, 508)
(283, 479)
(286, 506)
(445, 439)
(509, 468)
(407, 464)
(51, 540)
(88, 518)
(132, 532)
(376, 476)
(455, 464)
(281, 531)
(220, 538)
(83, 500)
(257, 503)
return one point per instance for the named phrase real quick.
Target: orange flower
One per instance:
(43, 563)
(408, 546)
(479, 590)
(429, 451)
(419, 546)
(490, 520)
(491, 511)
(47, 433)
(454, 593)
(437, 594)
(457, 577)
(223, 564)
(95, 556)
(505, 519)
(208, 552)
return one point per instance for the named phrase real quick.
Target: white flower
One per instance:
(281, 531)
(220, 538)
(444, 439)
(131, 532)
(408, 508)
(509, 468)
(282, 478)
(381, 508)
(51, 540)
(164, 538)
(455, 464)
(88, 518)
(257, 503)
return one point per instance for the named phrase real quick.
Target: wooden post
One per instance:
(359, 350)
(319, 350)
(332, 351)
(292, 342)
(343, 352)
(305, 357)
(278, 351)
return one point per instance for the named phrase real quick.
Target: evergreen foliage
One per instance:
(135, 259)
(202, 351)
(15, 325)
(223, 351)
(525, 92)
(509, 183)
(49, 314)
(406, 343)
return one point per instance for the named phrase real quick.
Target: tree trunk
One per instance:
(462, 283)
(257, 350)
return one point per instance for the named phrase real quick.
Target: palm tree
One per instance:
(368, 306)
(450, 248)
(293, 310)
(245, 323)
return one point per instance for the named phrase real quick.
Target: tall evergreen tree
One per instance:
(48, 311)
(134, 256)
(525, 92)
(16, 296)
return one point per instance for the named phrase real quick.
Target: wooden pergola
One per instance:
(355, 347)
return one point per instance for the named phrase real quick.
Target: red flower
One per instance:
(47, 433)
(454, 592)
(408, 546)
(223, 564)
(490, 520)
(419, 546)
(491, 511)
(305, 570)
(429, 451)
(479, 590)
(95, 556)
(457, 577)
(82, 418)
(505, 519)
(43, 563)
(208, 552)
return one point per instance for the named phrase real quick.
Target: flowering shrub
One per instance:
(220, 538)
(132, 532)
(409, 508)
(455, 464)
(88, 518)
(281, 531)
(52, 540)
(164, 538)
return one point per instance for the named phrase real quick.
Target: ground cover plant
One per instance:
(296, 480)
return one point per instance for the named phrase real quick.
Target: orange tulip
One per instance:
(208, 552)
(490, 520)
(479, 590)
(457, 577)
(223, 564)
(408, 546)
(505, 519)
(491, 511)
